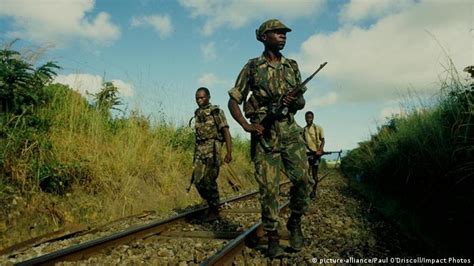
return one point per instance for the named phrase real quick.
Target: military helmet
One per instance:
(271, 24)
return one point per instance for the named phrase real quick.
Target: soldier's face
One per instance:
(201, 98)
(309, 119)
(275, 39)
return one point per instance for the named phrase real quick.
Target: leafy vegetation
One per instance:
(424, 161)
(69, 160)
(22, 85)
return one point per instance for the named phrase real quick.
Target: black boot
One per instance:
(274, 248)
(312, 195)
(313, 192)
(296, 235)
(212, 214)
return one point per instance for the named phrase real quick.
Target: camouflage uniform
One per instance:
(259, 85)
(209, 121)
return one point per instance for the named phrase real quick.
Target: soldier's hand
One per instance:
(319, 152)
(288, 100)
(228, 158)
(254, 128)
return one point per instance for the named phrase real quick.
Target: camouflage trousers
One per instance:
(206, 171)
(288, 150)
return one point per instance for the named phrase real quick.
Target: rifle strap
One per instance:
(252, 72)
(294, 66)
(220, 135)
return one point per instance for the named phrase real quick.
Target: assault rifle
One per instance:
(279, 110)
(326, 153)
(331, 152)
(338, 160)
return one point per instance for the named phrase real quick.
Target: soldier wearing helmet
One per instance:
(261, 83)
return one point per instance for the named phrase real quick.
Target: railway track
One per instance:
(338, 225)
(174, 240)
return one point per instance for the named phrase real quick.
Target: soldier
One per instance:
(211, 131)
(314, 139)
(261, 83)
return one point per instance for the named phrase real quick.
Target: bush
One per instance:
(21, 85)
(425, 160)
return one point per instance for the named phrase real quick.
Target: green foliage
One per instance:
(182, 138)
(59, 143)
(424, 160)
(27, 159)
(107, 98)
(57, 177)
(241, 146)
(419, 153)
(21, 85)
(63, 144)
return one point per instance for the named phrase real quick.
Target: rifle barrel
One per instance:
(312, 75)
(331, 152)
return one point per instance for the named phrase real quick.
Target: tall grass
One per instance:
(79, 165)
(424, 160)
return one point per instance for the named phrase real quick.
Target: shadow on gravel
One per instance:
(220, 225)
(392, 240)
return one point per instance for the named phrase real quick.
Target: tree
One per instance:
(21, 85)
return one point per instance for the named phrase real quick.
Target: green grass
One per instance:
(424, 161)
(70, 161)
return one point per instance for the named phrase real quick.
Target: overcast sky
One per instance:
(158, 52)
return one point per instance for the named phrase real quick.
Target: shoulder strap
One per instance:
(215, 111)
(314, 127)
(252, 71)
(318, 129)
(315, 132)
(305, 130)
(293, 64)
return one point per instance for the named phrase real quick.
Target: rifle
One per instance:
(338, 157)
(335, 165)
(194, 158)
(325, 153)
(278, 110)
(331, 152)
(281, 110)
(233, 180)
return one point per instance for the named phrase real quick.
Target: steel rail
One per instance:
(226, 255)
(84, 250)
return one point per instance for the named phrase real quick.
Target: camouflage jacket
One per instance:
(261, 84)
(209, 122)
